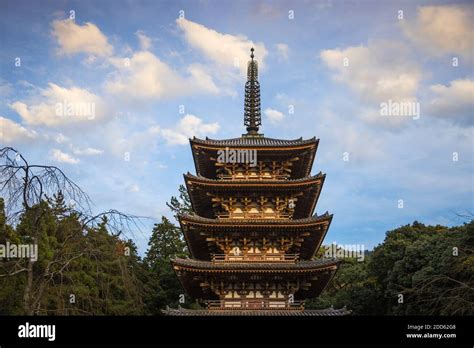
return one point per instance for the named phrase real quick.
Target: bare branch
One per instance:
(24, 185)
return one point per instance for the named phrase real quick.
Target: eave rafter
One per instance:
(203, 235)
(204, 193)
(313, 275)
(205, 152)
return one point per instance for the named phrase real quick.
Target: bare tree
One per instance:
(24, 187)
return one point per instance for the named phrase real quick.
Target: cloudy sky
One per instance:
(110, 91)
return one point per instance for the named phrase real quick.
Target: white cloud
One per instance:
(283, 51)
(133, 188)
(145, 41)
(360, 143)
(222, 49)
(442, 30)
(145, 76)
(377, 72)
(454, 102)
(162, 166)
(58, 105)
(88, 151)
(6, 88)
(11, 131)
(59, 156)
(274, 116)
(186, 128)
(61, 138)
(73, 38)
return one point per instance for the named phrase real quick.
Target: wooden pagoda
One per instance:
(253, 236)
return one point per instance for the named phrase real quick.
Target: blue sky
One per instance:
(158, 73)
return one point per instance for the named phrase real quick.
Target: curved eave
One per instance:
(197, 266)
(253, 142)
(265, 312)
(192, 273)
(198, 188)
(263, 145)
(196, 229)
(251, 223)
(225, 184)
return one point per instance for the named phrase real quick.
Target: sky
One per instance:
(110, 91)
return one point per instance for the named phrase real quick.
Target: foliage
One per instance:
(166, 242)
(77, 272)
(417, 270)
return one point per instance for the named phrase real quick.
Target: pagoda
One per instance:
(253, 234)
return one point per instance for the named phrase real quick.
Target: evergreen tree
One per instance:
(182, 204)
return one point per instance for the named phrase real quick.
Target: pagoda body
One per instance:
(253, 236)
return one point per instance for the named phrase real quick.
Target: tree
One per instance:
(182, 204)
(417, 270)
(352, 287)
(432, 267)
(35, 197)
(166, 242)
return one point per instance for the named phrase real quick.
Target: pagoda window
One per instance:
(254, 210)
(236, 251)
(251, 294)
(239, 173)
(253, 172)
(232, 294)
(273, 250)
(269, 212)
(238, 213)
(254, 250)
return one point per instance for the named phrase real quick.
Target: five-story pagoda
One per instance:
(253, 235)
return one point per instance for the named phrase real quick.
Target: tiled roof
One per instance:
(254, 266)
(262, 183)
(253, 141)
(252, 222)
(305, 313)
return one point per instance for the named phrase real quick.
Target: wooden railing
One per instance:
(261, 257)
(254, 304)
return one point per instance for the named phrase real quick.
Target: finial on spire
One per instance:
(252, 114)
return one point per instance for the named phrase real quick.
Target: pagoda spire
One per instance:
(252, 114)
